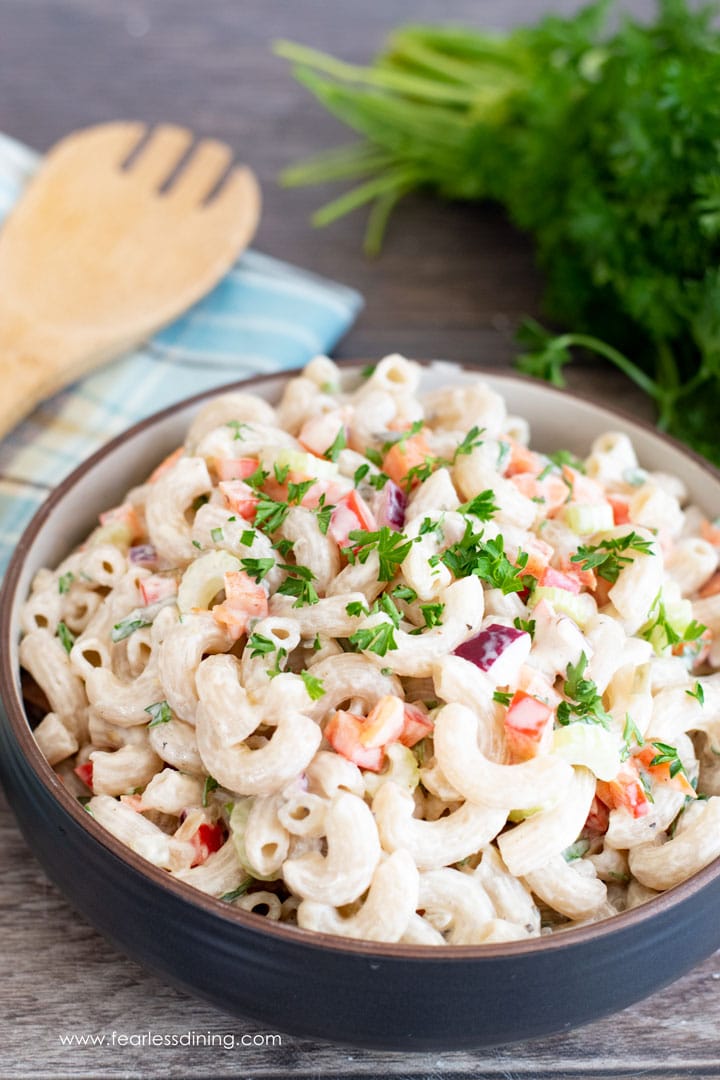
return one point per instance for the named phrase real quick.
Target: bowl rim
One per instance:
(214, 907)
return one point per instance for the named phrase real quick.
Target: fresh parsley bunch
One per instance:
(601, 143)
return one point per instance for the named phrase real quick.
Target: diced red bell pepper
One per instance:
(235, 468)
(527, 721)
(620, 507)
(522, 460)
(626, 790)
(239, 497)
(343, 731)
(157, 587)
(206, 840)
(557, 579)
(351, 514)
(417, 725)
(384, 723)
(597, 820)
(85, 772)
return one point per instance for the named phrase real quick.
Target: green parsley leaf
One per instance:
(281, 472)
(392, 548)
(486, 560)
(298, 583)
(197, 544)
(482, 506)
(564, 457)
(631, 733)
(432, 614)
(584, 703)
(313, 685)
(237, 427)
(297, 492)
(607, 557)
(368, 370)
(404, 592)
(317, 644)
(257, 479)
(209, 786)
(339, 443)
(503, 697)
(428, 527)
(468, 444)
(420, 473)
(387, 671)
(247, 537)
(159, 713)
(360, 474)
(528, 625)
(402, 437)
(257, 568)
(379, 639)
(128, 626)
(323, 514)
(270, 515)
(280, 655)
(356, 607)
(668, 755)
(259, 645)
(698, 693)
(64, 582)
(67, 639)
(235, 894)
(283, 547)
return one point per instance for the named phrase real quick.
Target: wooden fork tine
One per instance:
(208, 163)
(111, 143)
(238, 202)
(160, 155)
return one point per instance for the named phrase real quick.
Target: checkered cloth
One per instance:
(264, 316)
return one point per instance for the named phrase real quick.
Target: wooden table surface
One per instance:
(453, 281)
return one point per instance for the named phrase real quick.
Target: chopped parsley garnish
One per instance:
(564, 457)
(235, 894)
(64, 582)
(432, 614)
(356, 607)
(298, 583)
(379, 639)
(257, 479)
(281, 472)
(197, 544)
(209, 786)
(313, 685)
(482, 506)
(528, 625)
(373, 455)
(297, 492)
(667, 755)
(402, 437)
(698, 693)
(270, 514)
(367, 371)
(422, 471)
(404, 592)
(471, 440)
(428, 527)
(216, 535)
(584, 702)
(159, 713)
(387, 671)
(323, 514)
(67, 639)
(247, 537)
(257, 568)
(283, 547)
(607, 557)
(360, 474)
(259, 645)
(503, 697)
(392, 549)
(280, 655)
(317, 644)
(631, 732)
(485, 559)
(339, 443)
(237, 426)
(128, 626)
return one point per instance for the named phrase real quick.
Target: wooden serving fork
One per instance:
(119, 232)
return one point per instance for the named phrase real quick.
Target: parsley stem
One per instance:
(593, 344)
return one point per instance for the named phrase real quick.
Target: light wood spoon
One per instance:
(100, 253)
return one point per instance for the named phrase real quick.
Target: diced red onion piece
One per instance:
(497, 650)
(143, 555)
(391, 504)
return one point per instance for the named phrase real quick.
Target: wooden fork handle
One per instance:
(35, 364)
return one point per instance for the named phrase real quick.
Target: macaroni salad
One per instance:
(366, 663)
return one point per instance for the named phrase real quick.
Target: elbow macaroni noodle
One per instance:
(366, 663)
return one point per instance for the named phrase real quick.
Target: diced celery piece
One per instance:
(117, 533)
(579, 606)
(238, 824)
(298, 461)
(590, 745)
(585, 520)
(204, 579)
(402, 768)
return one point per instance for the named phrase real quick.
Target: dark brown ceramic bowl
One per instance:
(309, 984)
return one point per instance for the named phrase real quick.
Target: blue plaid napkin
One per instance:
(264, 316)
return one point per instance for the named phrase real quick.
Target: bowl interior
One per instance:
(557, 420)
